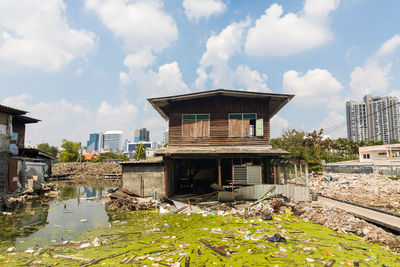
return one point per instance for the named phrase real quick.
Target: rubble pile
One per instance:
(359, 188)
(86, 171)
(344, 222)
(123, 200)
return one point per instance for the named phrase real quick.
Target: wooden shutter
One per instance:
(206, 128)
(188, 128)
(199, 128)
(246, 127)
(235, 127)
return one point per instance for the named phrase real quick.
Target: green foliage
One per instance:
(71, 151)
(312, 148)
(140, 152)
(394, 178)
(109, 155)
(46, 148)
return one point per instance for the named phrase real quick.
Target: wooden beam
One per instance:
(274, 172)
(166, 175)
(219, 172)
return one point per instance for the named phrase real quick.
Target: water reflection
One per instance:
(38, 223)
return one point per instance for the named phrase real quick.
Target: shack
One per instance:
(215, 137)
(17, 163)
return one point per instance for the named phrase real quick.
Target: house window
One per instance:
(382, 153)
(366, 156)
(242, 124)
(196, 125)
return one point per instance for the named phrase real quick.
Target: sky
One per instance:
(87, 66)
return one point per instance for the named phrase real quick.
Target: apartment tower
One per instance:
(374, 118)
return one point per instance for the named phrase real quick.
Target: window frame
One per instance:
(195, 123)
(242, 118)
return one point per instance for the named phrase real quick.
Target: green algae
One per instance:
(167, 238)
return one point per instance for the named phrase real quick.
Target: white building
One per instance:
(381, 155)
(375, 118)
(112, 141)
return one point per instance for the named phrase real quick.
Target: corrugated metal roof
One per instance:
(12, 111)
(26, 119)
(221, 150)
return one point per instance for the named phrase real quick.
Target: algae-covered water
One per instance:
(153, 239)
(42, 223)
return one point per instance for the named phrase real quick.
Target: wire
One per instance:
(342, 125)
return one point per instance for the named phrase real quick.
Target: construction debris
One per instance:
(86, 172)
(123, 200)
(373, 190)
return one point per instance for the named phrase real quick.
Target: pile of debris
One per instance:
(344, 222)
(8, 201)
(359, 188)
(86, 171)
(124, 200)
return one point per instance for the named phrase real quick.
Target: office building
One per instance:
(112, 141)
(142, 135)
(374, 118)
(93, 144)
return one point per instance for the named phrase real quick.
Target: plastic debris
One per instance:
(276, 238)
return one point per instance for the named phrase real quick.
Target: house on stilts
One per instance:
(215, 137)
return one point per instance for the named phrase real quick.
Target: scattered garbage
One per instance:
(276, 238)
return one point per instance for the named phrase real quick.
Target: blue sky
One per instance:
(84, 66)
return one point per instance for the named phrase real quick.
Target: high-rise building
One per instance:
(142, 135)
(112, 141)
(375, 118)
(93, 144)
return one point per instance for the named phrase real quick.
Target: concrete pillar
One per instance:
(295, 173)
(306, 170)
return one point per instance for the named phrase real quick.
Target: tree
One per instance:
(71, 151)
(140, 152)
(46, 148)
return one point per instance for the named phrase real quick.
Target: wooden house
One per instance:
(220, 136)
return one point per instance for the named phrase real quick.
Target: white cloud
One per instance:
(36, 34)
(389, 46)
(277, 125)
(167, 81)
(197, 9)
(141, 24)
(277, 35)
(370, 79)
(252, 80)
(316, 87)
(219, 49)
(334, 119)
(73, 121)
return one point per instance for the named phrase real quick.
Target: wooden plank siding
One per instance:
(219, 108)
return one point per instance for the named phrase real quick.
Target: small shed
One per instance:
(144, 177)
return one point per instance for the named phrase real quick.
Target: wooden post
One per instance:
(274, 172)
(166, 175)
(285, 174)
(219, 172)
(295, 172)
(141, 186)
(233, 176)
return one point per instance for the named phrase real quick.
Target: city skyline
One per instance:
(82, 65)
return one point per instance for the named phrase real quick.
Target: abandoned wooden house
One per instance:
(219, 136)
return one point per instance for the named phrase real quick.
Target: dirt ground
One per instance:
(368, 189)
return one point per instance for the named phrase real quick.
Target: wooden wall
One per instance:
(218, 107)
(19, 127)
